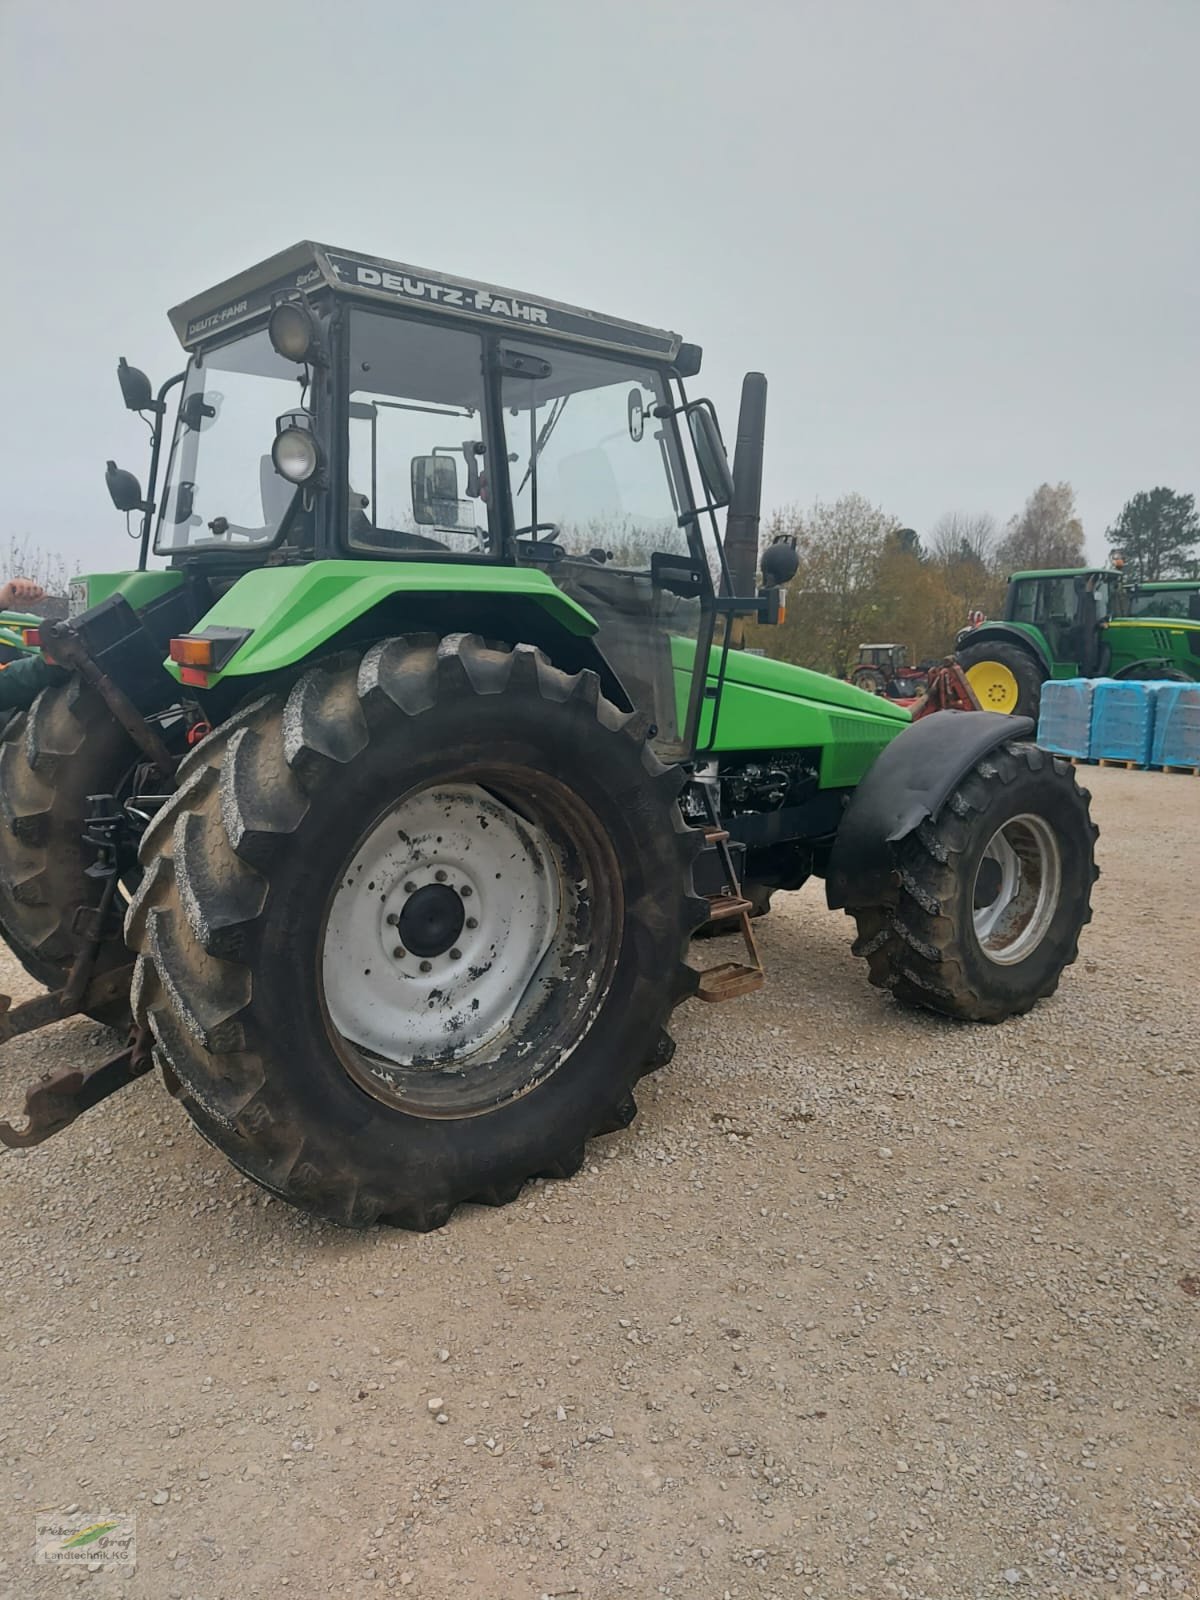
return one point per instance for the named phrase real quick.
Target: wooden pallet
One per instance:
(1193, 772)
(1125, 766)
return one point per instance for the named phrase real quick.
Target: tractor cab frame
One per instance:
(338, 407)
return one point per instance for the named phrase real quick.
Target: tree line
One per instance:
(865, 578)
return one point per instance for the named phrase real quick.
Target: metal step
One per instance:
(727, 905)
(729, 981)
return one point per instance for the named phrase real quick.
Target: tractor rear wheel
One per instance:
(992, 895)
(1004, 677)
(869, 679)
(410, 932)
(64, 748)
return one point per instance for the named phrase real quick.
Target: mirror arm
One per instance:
(160, 411)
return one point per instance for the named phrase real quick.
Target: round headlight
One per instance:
(292, 331)
(294, 455)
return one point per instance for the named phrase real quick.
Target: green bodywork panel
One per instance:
(293, 611)
(11, 623)
(773, 705)
(139, 588)
(1136, 639)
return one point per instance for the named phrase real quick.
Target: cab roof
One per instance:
(315, 268)
(1065, 572)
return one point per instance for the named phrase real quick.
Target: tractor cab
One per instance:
(1068, 606)
(1170, 598)
(343, 408)
(890, 657)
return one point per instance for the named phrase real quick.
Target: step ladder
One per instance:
(731, 979)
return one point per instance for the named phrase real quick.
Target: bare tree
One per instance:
(964, 536)
(1048, 533)
(26, 559)
(833, 595)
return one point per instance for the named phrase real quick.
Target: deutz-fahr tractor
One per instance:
(1077, 622)
(384, 809)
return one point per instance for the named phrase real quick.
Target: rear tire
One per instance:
(65, 748)
(992, 895)
(1004, 677)
(285, 849)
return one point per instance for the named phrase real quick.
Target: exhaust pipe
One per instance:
(742, 517)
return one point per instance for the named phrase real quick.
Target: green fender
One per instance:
(290, 612)
(1023, 634)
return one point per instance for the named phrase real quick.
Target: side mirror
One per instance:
(135, 387)
(435, 491)
(636, 409)
(710, 453)
(123, 488)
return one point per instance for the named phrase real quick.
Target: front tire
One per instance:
(992, 896)
(1004, 678)
(343, 1022)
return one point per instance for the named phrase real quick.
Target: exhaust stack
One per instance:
(742, 517)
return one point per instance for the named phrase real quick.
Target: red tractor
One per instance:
(883, 669)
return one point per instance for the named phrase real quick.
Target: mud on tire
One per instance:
(935, 947)
(243, 873)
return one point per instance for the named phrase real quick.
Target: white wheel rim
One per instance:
(1016, 889)
(428, 1006)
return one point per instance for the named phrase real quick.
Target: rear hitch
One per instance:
(53, 1104)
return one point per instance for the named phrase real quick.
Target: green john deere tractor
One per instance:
(1169, 598)
(18, 636)
(390, 801)
(1077, 622)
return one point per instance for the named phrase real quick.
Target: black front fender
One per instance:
(909, 781)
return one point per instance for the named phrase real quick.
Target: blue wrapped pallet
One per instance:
(1065, 722)
(1177, 726)
(1123, 721)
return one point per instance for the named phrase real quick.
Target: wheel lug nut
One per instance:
(455, 955)
(472, 922)
(440, 875)
(410, 887)
(393, 921)
(465, 891)
(427, 966)
(399, 952)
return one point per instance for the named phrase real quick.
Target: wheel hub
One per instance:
(432, 920)
(1017, 888)
(438, 931)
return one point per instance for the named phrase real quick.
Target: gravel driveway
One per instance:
(864, 1303)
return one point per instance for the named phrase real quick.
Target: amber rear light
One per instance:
(192, 651)
(32, 637)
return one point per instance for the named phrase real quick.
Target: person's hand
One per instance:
(17, 590)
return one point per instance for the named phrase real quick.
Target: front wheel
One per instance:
(992, 895)
(409, 934)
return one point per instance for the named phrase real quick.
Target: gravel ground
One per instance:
(864, 1303)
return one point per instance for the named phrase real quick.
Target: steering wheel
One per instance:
(532, 529)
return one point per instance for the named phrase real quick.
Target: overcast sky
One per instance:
(961, 237)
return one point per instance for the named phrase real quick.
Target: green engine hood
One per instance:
(773, 705)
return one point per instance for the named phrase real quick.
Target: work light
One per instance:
(292, 331)
(294, 455)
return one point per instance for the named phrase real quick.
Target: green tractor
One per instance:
(1169, 598)
(389, 803)
(19, 636)
(1076, 622)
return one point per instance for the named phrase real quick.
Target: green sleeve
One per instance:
(23, 681)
